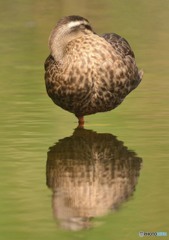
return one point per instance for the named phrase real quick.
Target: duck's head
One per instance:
(66, 30)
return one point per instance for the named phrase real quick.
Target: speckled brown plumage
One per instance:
(86, 73)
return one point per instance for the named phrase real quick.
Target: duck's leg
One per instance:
(81, 121)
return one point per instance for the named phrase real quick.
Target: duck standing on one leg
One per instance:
(87, 73)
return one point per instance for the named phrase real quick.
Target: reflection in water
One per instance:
(90, 174)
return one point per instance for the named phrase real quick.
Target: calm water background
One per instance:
(31, 123)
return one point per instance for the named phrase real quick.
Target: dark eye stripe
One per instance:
(84, 25)
(87, 26)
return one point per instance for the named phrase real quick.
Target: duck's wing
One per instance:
(122, 48)
(120, 45)
(51, 72)
(50, 61)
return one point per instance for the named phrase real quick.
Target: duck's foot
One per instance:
(81, 121)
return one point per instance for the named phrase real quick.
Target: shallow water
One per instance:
(109, 180)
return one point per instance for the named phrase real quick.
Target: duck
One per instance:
(87, 73)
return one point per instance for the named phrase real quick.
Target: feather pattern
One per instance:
(86, 73)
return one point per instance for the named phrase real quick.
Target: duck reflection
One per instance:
(90, 174)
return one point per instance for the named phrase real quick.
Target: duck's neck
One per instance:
(58, 42)
(57, 48)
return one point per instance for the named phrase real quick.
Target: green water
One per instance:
(111, 178)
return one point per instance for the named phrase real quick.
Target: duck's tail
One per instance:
(141, 72)
(140, 76)
(137, 80)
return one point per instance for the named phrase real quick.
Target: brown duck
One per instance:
(86, 73)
